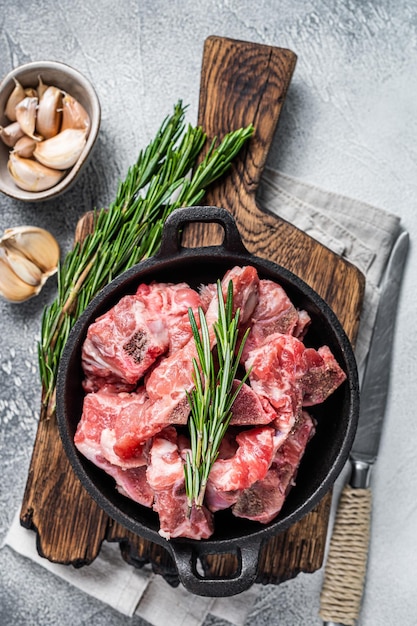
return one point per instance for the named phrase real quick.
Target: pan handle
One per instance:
(186, 560)
(176, 222)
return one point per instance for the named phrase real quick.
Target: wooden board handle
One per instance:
(242, 83)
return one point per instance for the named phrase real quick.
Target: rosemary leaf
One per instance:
(130, 230)
(212, 397)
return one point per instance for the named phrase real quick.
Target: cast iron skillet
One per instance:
(325, 455)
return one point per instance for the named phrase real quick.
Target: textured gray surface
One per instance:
(349, 124)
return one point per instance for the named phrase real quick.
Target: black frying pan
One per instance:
(325, 455)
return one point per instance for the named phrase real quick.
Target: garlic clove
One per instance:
(11, 133)
(30, 175)
(74, 114)
(26, 115)
(23, 268)
(24, 146)
(36, 244)
(15, 97)
(61, 151)
(49, 112)
(41, 88)
(12, 287)
(31, 92)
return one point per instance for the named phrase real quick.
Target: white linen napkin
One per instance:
(357, 231)
(134, 591)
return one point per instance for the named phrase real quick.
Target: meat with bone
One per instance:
(133, 484)
(171, 303)
(291, 376)
(173, 377)
(122, 344)
(263, 500)
(274, 375)
(250, 409)
(250, 462)
(165, 475)
(274, 313)
(137, 407)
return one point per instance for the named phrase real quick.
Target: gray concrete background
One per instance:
(349, 125)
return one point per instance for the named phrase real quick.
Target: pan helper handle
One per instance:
(186, 560)
(180, 218)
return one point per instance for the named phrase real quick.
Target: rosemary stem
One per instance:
(212, 398)
(130, 230)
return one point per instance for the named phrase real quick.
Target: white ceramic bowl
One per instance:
(70, 80)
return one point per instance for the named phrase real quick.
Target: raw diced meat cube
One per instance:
(95, 427)
(137, 422)
(171, 302)
(123, 343)
(245, 290)
(264, 499)
(166, 466)
(256, 449)
(322, 377)
(96, 431)
(274, 369)
(165, 475)
(274, 313)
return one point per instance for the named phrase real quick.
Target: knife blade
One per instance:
(375, 384)
(345, 571)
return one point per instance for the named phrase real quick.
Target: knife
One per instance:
(345, 570)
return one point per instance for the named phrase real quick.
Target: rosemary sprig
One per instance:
(130, 230)
(212, 398)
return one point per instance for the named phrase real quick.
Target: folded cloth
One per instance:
(358, 232)
(133, 591)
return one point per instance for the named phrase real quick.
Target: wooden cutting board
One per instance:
(241, 83)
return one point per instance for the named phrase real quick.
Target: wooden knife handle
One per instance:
(345, 570)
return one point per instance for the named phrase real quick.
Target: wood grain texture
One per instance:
(241, 83)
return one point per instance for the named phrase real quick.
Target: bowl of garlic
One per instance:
(49, 122)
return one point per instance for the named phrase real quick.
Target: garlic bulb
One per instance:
(49, 113)
(28, 256)
(15, 97)
(62, 151)
(30, 175)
